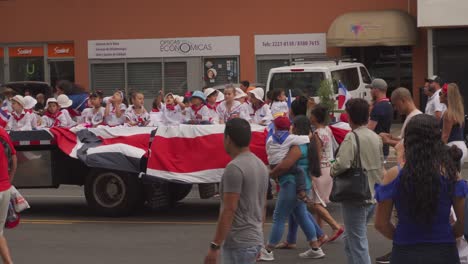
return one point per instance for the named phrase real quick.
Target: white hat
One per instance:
(215, 73)
(239, 93)
(19, 99)
(220, 97)
(178, 98)
(167, 95)
(29, 102)
(51, 100)
(64, 101)
(258, 93)
(209, 91)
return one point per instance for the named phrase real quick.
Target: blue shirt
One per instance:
(409, 232)
(303, 163)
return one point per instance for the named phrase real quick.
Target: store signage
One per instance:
(60, 50)
(442, 13)
(290, 44)
(26, 51)
(153, 48)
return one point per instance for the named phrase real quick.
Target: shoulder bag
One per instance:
(352, 185)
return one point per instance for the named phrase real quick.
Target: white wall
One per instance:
(437, 13)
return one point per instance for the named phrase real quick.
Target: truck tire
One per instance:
(179, 191)
(113, 193)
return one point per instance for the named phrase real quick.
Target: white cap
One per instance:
(19, 99)
(51, 100)
(29, 102)
(258, 93)
(239, 93)
(209, 91)
(64, 101)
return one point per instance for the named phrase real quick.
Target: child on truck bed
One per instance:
(136, 114)
(94, 115)
(53, 117)
(277, 147)
(20, 120)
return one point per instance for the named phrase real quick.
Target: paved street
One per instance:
(59, 229)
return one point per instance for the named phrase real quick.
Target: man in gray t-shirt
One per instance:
(243, 190)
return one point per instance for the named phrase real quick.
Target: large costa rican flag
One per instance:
(195, 154)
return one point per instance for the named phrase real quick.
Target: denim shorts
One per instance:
(240, 255)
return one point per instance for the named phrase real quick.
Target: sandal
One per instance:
(323, 240)
(285, 245)
(337, 234)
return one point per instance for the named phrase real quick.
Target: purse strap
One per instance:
(357, 156)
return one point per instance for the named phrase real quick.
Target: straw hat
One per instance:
(19, 99)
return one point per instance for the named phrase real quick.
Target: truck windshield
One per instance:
(300, 83)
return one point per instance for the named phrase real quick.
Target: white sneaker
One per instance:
(312, 254)
(265, 255)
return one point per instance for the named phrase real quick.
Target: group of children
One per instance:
(208, 107)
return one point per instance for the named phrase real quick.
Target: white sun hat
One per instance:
(64, 101)
(258, 93)
(29, 102)
(239, 93)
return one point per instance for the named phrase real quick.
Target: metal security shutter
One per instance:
(145, 77)
(108, 77)
(175, 77)
(264, 66)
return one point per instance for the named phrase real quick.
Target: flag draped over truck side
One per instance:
(195, 154)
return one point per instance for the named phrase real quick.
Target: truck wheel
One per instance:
(112, 193)
(179, 191)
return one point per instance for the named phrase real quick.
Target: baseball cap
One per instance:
(377, 83)
(435, 78)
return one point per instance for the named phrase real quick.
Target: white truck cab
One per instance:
(305, 77)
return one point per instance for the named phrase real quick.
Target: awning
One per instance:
(375, 28)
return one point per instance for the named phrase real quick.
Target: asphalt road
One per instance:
(59, 229)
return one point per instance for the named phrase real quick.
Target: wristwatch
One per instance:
(214, 246)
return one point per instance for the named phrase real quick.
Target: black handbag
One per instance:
(351, 185)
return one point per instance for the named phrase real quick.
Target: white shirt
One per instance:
(434, 105)
(263, 114)
(173, 117)
(92, 118)
(112, 119)
(141, 119)
(213, 115)
(408, 118)
(192, 114)
(68, 120)
(22, 122)
(58, 121)
(277, 152)
(237, 110)
(279, 107)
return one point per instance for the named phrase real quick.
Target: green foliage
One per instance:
(326, 95)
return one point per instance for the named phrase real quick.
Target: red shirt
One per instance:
(4, 176)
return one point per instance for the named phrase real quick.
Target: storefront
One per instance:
(447, 40)
(273, 51)
(175, 65)
(37, 62)
(381, 40)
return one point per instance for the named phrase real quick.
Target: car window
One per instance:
(300, 83)
(349, 77)
(365, 75)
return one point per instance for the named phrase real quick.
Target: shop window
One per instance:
(108, 77)
(61, 70)
(365, 75)
(26, 64)
(220, 71)
(300, 83)
(175, 77)
(264, 66)
(145, 77)
(348, 77)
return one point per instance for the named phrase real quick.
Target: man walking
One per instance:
(434, 107)
(243, 192)
(382, 112)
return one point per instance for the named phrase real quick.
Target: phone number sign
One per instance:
(291, 44)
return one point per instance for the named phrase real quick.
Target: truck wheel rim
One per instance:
(109, 190)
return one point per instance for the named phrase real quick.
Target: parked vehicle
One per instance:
(304, 77)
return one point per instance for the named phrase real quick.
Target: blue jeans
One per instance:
(240, 255)
(355, 217)
(292, 228)
(286, 205)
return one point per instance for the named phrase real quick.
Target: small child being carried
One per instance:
(277, 148)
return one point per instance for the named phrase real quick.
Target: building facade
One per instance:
(185, 45)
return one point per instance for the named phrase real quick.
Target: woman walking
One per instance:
(322, 185)
(422, 191)
(287, 202)
(356, 214)
(453, 120)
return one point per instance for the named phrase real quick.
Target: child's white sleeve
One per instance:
(268, 116)
(295, 140)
